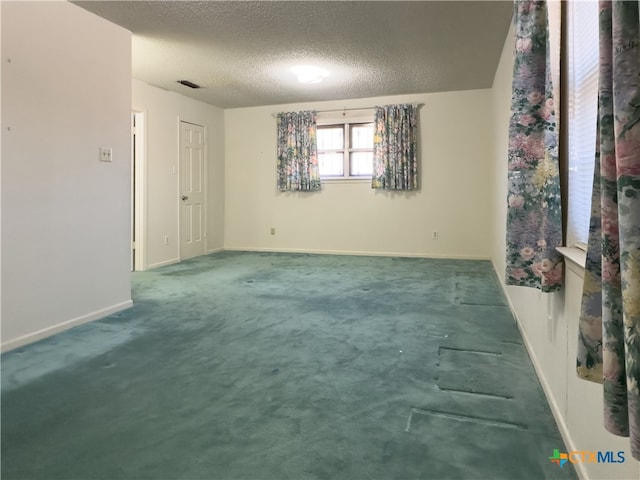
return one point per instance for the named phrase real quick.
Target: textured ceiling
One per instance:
(240, 52)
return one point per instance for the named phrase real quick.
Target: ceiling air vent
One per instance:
(189, 84)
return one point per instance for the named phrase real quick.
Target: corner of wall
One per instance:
(66, 252)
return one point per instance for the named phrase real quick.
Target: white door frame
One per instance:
(205, 183)
(139, 179)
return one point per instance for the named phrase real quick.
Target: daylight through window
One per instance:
(345, 150)
(583, 104)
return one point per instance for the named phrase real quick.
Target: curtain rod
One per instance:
(340, 110)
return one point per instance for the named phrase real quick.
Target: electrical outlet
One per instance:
(273, 231)
(105, 154)
(435, 235)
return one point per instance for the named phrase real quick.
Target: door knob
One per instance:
(184, 197)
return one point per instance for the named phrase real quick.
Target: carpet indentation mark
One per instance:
(475, 392)
(467, 350)
(463, 418)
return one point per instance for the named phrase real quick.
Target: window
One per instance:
(582, 96)
(345, 150)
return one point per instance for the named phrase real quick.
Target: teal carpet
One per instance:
(284, 366)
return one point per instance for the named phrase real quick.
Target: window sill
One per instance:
(346, 180)
(576, 258)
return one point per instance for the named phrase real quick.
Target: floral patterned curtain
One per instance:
(395, 147)
(298, 152)
(609, 338)
(534, 216)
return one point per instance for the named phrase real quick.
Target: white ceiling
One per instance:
(240, 52)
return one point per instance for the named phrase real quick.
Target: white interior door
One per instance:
(192, 191)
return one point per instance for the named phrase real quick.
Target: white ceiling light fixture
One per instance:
(310, 73)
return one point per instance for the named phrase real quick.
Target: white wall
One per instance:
(163, 110)
(65, 215)
(549, 322)
(350, 217)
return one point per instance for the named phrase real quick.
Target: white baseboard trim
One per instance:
(164, 263)
(60, 327)
(553, 404)
(172, 261)
(355, 253)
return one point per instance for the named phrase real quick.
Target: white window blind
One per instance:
(582, 38)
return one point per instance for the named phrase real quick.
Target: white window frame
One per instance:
(346, 151)
(349, 119)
